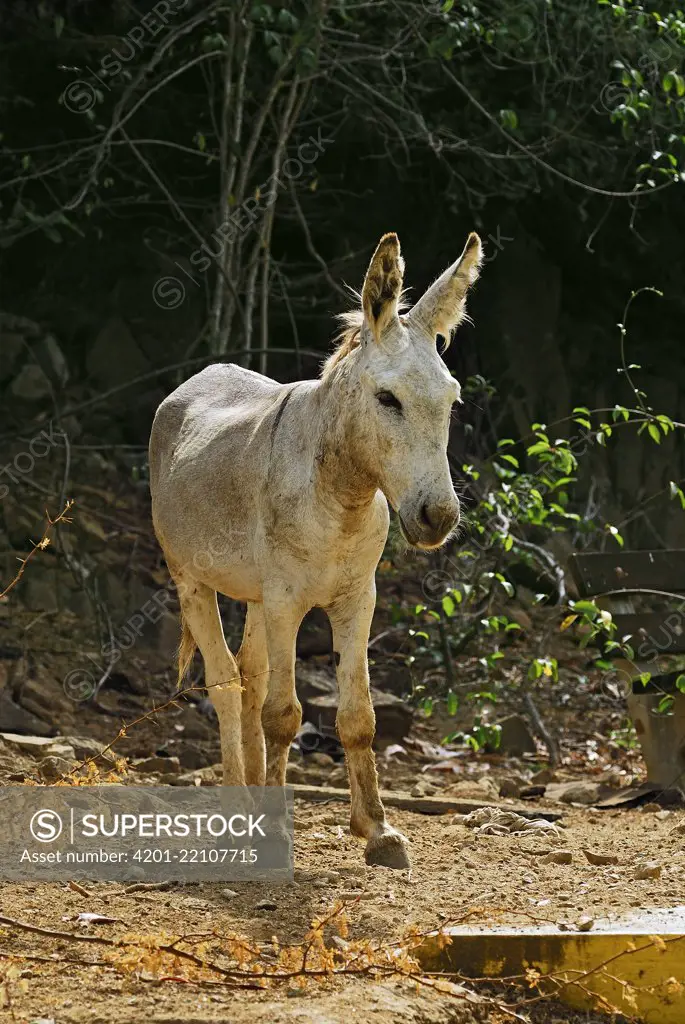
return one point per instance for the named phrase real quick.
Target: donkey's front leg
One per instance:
(282, 711)
(351, 622)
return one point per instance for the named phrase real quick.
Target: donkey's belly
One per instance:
(220, 557)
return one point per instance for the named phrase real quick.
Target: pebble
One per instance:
(647, 869)
(321, 759)
(229, 894)
(52, 768)
(266, 905)
(558, 857)
(598, 859)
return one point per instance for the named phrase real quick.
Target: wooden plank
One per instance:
(653, 632)
(419, 804)
(597, 573)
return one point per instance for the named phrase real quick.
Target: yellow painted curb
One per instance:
(634, 964)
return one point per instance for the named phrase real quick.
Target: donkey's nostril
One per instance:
(425, 516)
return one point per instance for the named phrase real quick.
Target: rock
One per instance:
(320, 759)
(663, 815)
(191, 757)
(647, 869)
(558, 857)
(115, 357)
(574, 792)
(317, 691)
(39, 594)
(14, 718)
(488, 787)
(229, 894)
(60, 749)
(31, 384)
(200, 777)
(84, 747)
(164, 634)
(585, 923)
(53, 768)
(528, 792)
(196, 726)
(147, 765)
(516, 738)
(43, 696)
(338, 777)
(35, 745)
(266, 905)
(52, 359)
(516, 613)
(544, 777)
(294, 773)
(599, 859)
(512, 786)
(314, 636)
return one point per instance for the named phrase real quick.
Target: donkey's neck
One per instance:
(342, 475)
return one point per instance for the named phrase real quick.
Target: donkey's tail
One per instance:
(186, 649)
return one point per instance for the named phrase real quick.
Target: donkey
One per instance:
(277, 495)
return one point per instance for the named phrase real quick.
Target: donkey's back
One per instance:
(204, 476)
(223, 397)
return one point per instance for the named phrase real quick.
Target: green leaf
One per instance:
(615, 534)
(448, 605)
(452, 702)
(509, 119)
(654, 433)
(586, 607)
(59, 25)
(665, 704)
(676, 492)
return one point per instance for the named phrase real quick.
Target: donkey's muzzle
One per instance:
(431, 525)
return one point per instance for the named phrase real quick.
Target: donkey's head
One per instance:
(407, 392)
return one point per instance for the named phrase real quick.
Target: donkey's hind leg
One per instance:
(200, 614)
(254, 673)
(282, 712)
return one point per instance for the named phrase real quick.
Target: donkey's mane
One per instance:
(348, 338)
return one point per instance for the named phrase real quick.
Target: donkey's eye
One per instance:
(388, 399)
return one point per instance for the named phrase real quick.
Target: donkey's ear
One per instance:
(383, 285)
(443, 306)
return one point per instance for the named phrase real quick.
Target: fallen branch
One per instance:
(420, 804)
(39, 546)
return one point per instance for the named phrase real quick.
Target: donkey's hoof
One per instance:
(389, 850)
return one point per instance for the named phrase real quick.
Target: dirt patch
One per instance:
(456, 875)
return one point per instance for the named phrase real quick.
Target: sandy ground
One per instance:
(455, 875)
